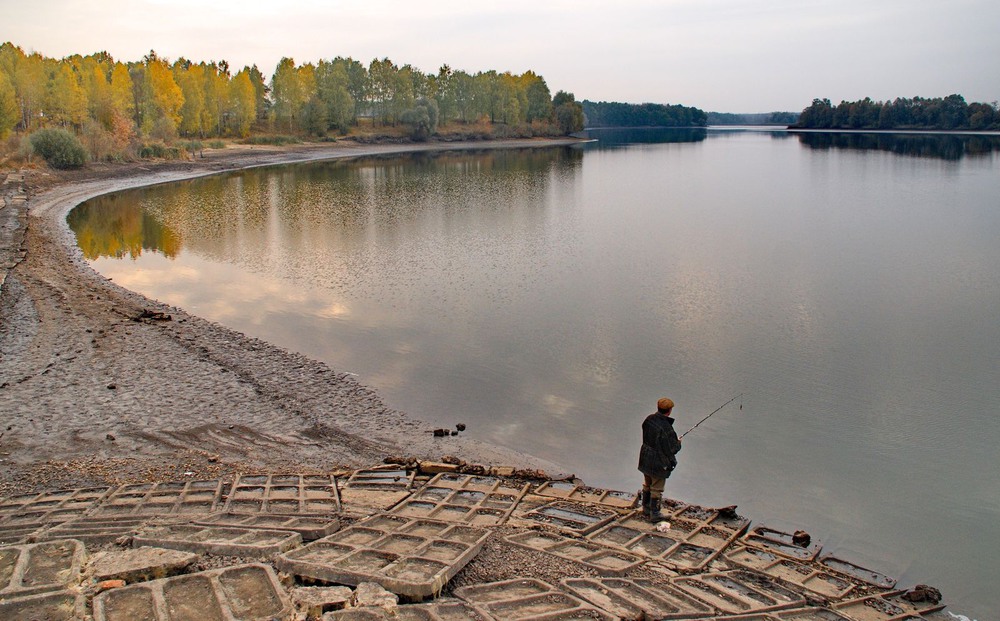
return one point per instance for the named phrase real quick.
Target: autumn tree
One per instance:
(9, 115)
(313, 118)
(65, 102)
(402, 93)
(444, 87)
(287, 93)
(567, 112)
(215, 87)
(333, 90)
(242, 103)
(157, 98)
(121, 90)
(463, 89)
(189, 77)
(262, 101)
(94, 71)
(537, 97)
(381, 81)
(357, 83)
(27, 75)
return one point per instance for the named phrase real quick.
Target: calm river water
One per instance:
(847, 286)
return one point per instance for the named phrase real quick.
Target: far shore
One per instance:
(100, 385)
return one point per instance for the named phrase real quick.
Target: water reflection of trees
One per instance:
(945, 147)
(614, 137)
(237, 214)
(116, 226)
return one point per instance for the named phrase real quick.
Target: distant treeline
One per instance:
(762, 118)
(117, 109)
(615, 114)
(951, 112)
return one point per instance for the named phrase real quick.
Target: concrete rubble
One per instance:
(394, 543)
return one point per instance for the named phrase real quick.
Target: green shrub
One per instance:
(58, 147)
(216, 144)
(161, 151)
(193, 147)
(272, 140)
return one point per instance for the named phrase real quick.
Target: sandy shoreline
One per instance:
(92, 392)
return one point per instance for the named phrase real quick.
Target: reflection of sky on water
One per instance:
(548, 298)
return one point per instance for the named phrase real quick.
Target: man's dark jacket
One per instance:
(659, 445)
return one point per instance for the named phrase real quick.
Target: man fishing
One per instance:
(657, 458)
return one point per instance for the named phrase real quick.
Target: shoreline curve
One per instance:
(97, 388)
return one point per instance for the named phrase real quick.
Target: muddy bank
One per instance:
(100, 384)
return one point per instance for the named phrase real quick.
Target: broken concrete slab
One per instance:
(169, 498)
(310, 527)
(782, 543)
(479, 483)
(363, 502)
(283, 493)
(812, 577)
(221, 541)
(28, 532)
(568, 490)
(53, 606)
(390, 478)
(476, 500)
(56, 499)
(50, 507)
(313, 602)
(100, 530)
(373, 595)
(741, 591)
(434, 467)
(139, 564)
(245, 592)
(857, 572)
(604, 560)
(38, 567)
(682, 544)
(886, 607)
(357, 614)
(413, 558)
(446, 609)
(572, 517)
(376, 489)
(811, 614)
(528, 599)
(628, 599)
(719, 519)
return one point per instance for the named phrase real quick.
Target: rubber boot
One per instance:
(654, 514)
(644, 497)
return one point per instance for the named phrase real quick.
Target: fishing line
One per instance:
(739, 396)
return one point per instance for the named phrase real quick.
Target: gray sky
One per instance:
(718, 55)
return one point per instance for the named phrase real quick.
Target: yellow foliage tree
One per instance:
(189, 78)
(242, 108)
(165, 100)
(215, 84)
(65, 101)
(122, 97)
(9, 113)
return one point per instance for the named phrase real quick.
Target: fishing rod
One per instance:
(739, 396)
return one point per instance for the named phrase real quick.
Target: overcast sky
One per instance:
(718, 55)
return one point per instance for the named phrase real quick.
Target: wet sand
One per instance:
(99, 384)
